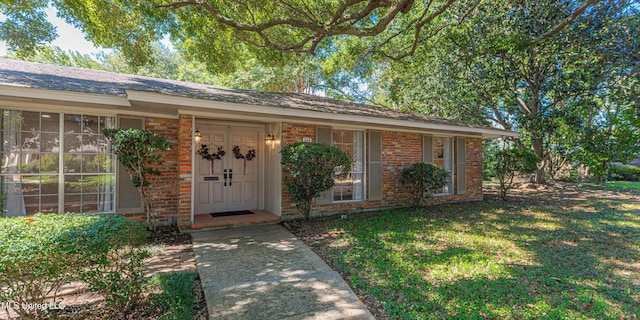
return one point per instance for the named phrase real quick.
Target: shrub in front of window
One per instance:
(422, 179)
(310, 168)
(41, 253)
(138, 151)
(509, 162)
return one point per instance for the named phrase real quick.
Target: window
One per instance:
(32, 176)
(350, 188)
(443, 158)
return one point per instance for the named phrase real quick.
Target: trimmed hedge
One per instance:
(422, 180)
(40, 253)
(625, 173)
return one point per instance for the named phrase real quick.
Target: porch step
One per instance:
(206, 221)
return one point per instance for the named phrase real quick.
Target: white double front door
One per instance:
(228, 182)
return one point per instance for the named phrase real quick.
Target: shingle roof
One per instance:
(43, 76)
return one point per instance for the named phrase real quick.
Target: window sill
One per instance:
(347, 201)
(441, 194)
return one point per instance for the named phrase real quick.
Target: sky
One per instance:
(69, 38)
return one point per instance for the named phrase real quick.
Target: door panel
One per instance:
(239, 191)
(245, 172)
(210, 191)
(218, 194)
(249, 191)
(204, 192)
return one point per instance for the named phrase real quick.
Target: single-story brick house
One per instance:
(55, 158)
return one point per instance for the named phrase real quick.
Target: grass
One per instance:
(176, 294)
(569, 253)
(623, 186)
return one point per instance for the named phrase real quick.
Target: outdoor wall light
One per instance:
(270, 138)
(197, 136)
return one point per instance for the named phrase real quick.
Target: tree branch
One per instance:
(565, 23)
(338, 25)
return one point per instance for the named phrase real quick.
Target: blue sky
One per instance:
(69, 38)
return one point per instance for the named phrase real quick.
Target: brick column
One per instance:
(185, 143)
(164, 193)
(474, 169)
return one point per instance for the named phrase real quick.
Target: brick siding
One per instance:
(184, 171)
(171, 193)
(399, 150)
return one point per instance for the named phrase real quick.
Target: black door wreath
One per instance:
(247, 157)
(205, 154)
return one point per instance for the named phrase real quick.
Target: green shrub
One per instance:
(40, 253)
(625, 173)
(119, 276)
(510, 162)
(422, 179)
(310, 169)
(117, 270)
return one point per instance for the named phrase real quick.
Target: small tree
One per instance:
(310, 169)
(137, 150)
(422, 179)
(510, 162)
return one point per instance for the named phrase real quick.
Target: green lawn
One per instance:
(568, 253)
(176, 297)
(623, 186)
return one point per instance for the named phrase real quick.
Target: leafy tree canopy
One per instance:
(216, 31)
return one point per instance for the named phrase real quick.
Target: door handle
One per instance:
(230, 175)
(225, 177)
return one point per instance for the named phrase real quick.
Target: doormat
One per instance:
(231, 213)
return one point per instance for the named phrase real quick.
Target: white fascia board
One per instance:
(288, 113)
(59, 95)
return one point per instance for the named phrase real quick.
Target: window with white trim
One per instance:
(350, 188)
(443, 158)
(32, 175)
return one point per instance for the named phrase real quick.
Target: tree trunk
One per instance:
(539, 177)
(605, 177)
(148, 208)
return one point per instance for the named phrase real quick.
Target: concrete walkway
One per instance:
(265, 272)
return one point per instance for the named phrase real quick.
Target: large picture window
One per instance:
(55, 162)
(443, 158)
(350, 188)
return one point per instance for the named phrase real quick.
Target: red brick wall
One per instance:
(164, 190)
(399, 150)
(183, 180)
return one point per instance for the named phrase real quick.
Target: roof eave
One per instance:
(18, 91)
(289, 113)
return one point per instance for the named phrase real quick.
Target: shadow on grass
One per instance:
(566, 255)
